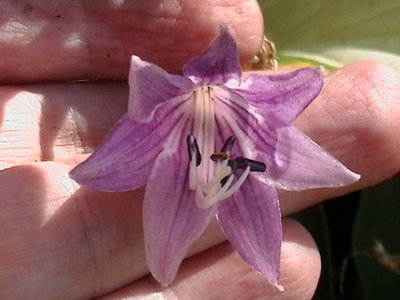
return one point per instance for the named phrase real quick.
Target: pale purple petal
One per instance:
(294, 162)
(125, 158)
(281, 96)
(218, 64)
(171, 219)
(150, 85)
(298, 163)
(251, 221)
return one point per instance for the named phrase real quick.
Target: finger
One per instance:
(56, 121)
(355, 118)
(86, 239)
(382, 117)
(62, 242)
(219, 273)
(64, 40)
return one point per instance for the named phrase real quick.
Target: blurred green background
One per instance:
(347, 229)
(335, 31)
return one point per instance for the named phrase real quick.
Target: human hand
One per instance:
(65, 242)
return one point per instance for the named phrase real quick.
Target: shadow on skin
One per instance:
(59, 241)
(57, 121)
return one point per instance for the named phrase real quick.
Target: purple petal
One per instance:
(283, 96)
(298, 163)
(150, 85)
(251, 221)
(172, 221)
(125, 158)
(294, 162)
(218, 64)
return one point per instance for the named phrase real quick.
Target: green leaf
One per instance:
(315, 220)
(286, 60)
(378, 220)
(342, 31)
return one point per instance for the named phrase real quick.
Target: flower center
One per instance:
(222, 185)
(218, 176)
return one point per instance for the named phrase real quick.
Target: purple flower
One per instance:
(208, 144)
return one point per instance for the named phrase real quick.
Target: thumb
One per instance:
(94, 39)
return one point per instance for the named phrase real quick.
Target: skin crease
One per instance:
(59, 241)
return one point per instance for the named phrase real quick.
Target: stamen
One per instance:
(236, 186)
(224, 180)
(228, 145)
(209, 128)
(195, 160)
(212, 199)
(243, 163)
(193, 149)
(219, 156)
(215, 181)
(226, 150)
(193, 174)
(204, 129)
(256, 166)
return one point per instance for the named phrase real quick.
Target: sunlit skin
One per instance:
(91, 242)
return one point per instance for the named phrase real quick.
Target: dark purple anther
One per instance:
(193, 148)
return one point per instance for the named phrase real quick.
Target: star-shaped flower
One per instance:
(208, 144)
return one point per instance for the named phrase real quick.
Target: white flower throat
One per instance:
(213, 176)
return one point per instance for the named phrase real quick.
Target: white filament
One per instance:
(212, 199)
(206, 178)
(204, 131)
(207, 187)
(193, 172)
(236, 186)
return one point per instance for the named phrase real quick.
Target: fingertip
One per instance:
(243, 18)
(355, 119)
(220, 273)
(301, 262)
